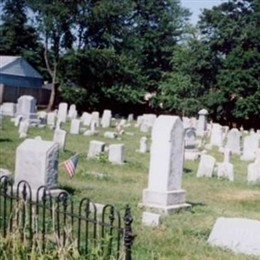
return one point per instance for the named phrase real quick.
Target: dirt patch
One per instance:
(238, 195)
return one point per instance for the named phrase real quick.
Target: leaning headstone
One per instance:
(164, 192)
(253, 169)
(241, 235)
(226, 169)
(106, 118)
(26, 106)
(37, 163)
(250, 145)
(95, 148)
(74, 126)
(62, 112)
(233, 141)
(59, 137)
(206, 166)
(116, 153)
(202, 122)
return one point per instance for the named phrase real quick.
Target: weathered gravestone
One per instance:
(23, 129)
(216, 137)
(72, 114)
(95, 148)
(164, 193)
(116, 153)
(233, 141)
(143, 145)
(253, 169)
(26, 106)
(51, 117)
(86, 119)
(37, 163)
(95, 118)
(74, 126)
(241, 235)
(62, 112)
(250, 145)
(59, 137)
(206, 166)
(202, 122)
(8, 109)
(226, 169)
(106, 118)
(191, 152)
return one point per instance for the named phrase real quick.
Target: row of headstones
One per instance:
(225, 169)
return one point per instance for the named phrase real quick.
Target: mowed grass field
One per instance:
(180, 236)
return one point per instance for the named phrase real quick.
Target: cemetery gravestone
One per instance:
(253, 169)
(241, 235)
(95, 118)
(72, 114)
(216, 137)
(202, 122)
(37, 163)
(206, 166)
(106, 118)
(23, 129)
(59, 137)
(226, 169)
(74, 127)
(51, 117)
(62, 112)
(143, 145)
(116, 153)
(164, 192)
(191, 152)
(8, 109)
(26, 106)
(95, 148)
(233, 141)
(250, 145)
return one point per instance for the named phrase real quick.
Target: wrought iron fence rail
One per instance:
(45, 215)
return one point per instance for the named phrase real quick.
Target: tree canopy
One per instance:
(111, 54)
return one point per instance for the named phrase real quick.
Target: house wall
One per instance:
(11, 94)
(18, 81)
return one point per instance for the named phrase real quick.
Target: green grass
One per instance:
(180, 236)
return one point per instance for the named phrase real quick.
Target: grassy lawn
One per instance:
(180, 236)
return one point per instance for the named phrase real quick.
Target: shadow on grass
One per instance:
(69, 189)
(5, 140)
(196, 206)
(186, 170)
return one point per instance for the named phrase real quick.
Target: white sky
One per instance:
(195, 6)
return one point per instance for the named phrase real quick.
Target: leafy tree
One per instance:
(17, 37)
(158, 26)
(54, 21)
(231, 33)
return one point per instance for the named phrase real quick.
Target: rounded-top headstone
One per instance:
(203, 112)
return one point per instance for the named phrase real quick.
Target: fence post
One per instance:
(128, 235)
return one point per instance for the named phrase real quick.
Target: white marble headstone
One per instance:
(37, 163)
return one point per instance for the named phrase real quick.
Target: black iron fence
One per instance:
(59, 221)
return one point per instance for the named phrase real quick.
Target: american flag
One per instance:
(71, 164)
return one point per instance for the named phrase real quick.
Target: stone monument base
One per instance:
(166, 202)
